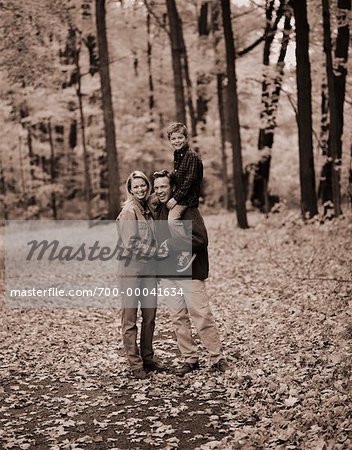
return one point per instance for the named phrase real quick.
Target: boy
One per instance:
(188, 176)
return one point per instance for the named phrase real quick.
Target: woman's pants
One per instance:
(138, 289)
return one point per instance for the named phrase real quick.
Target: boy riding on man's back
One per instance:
(188, 176)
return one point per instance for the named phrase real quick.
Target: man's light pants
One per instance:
(193, 303)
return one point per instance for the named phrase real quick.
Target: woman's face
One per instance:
(139, 189)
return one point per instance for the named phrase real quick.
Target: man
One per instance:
(191, 299)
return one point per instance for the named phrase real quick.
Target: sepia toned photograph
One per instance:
(175, 224)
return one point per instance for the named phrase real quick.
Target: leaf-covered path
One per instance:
(281, 294)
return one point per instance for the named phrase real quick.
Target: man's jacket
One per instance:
(198, 242)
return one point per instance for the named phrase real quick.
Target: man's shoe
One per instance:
(185, 260)
(153, 366)
(220, 366)
(187, 368)
(139, 374)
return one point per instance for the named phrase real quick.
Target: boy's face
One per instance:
(177, 140)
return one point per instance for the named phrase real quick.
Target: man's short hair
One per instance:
(177, 127)
(165, 173)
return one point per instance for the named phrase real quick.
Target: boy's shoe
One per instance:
(187, 368)
(140, 374)
(184, 261)
(163, 250)
(153, 366)
(220, 366)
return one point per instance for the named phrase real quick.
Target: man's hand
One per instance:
(171, 203)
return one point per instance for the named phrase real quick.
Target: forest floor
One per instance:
(280, 293)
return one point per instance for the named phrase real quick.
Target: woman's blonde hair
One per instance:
(133, 176)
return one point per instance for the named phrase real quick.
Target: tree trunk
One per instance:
(108, 112)
(150, 73)
(271, 96)
(52, 170)
(334, 138)
(261, 175)
(325, 188)
(203, 29)
(221, 108)
(271, 89)
(234, 116)
(90, 43)
(203, 78)
(341, 57)
(339, 76)
(221, 95)
(340, 73)
(304, 111)
(30, 151)
(188, 81)
(176, 53)
(20, 157)
(324, 120)
(87, 177)
(350, 178)
(3, 209)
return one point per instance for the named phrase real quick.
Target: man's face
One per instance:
(177, 140)
(162, 189)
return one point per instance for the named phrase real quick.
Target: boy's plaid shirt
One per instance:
(188, 171)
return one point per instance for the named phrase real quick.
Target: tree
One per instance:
(3, 206)
(188, 83)
(350, 178)
(271, 89)
(336, 71)
(180, 65)
(340, 70)
(108, 112)
(176, 54)
(86, 162)
(221, 94)
(151, 102)
(304, 111)
(203, 78)
(333, 130)
(52, 170)
(233, 116)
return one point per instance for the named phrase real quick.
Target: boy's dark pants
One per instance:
(176, 227)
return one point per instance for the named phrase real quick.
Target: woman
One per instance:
(137, 271)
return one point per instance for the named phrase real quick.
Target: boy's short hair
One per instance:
(176, 127)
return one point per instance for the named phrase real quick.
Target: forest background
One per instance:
(160, 62)
(87, 90)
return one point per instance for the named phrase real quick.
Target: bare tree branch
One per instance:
(252, 46)
(157, 19)
(244, 13)
(272, 32)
